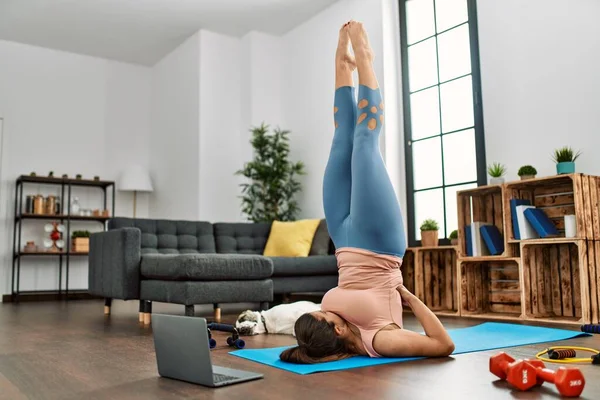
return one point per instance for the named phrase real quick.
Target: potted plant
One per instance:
(429, 233)
(81, 241)
(496, 172)
(527, 172)
(65, 176)
(51, 174)
(96, 178)
(454, 237)
(32, 174)
(565, 160)
(272, 184)
(78, 176)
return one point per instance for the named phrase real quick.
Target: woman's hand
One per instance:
(406, 295)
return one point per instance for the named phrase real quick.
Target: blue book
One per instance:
(493, 239)
(513, 213)
(540, 222)
(469, 241)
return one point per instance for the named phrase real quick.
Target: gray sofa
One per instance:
(196, 262)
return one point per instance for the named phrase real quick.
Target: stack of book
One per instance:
(483, 239)
(530, 222)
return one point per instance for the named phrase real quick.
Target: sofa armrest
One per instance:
(114, 263)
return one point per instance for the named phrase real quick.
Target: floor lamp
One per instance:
(135, 179)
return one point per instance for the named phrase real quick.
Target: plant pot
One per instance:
(565, 167)
(81, 244)
(429, 238)
(496, 181)
(525, 177)
(454, 242)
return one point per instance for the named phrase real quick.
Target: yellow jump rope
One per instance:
(568, 355)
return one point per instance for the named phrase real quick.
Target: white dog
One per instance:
(279, 319)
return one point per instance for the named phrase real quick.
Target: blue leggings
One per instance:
(361, 208)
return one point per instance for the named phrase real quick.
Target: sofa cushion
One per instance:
(241, 238)
(205, 267)
(303, 266)
(291, 238)
(170, 237)
(321, 241)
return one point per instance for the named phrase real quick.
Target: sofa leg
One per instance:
(286, 298)
(217, 312)
(141, 311)
(189, 311)
(107, 305)
(264, 305)
(148, 313)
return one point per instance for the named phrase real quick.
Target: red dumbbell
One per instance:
(568, 381)
(519, 373)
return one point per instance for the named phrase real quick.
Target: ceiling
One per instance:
(143, 31)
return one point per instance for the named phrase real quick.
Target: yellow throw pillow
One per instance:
(291, 238)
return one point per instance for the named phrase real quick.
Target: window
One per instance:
(443, 119)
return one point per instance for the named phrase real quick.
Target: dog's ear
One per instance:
(245, 316)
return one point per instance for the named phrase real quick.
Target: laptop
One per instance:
(183, 353)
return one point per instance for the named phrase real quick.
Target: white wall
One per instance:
(221, 63)
(308, 88)
(70, 114)
(175, 126)
(540, 82)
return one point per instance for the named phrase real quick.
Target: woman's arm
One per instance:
(403, 343)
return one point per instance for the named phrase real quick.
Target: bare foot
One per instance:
(343, 56)
(360, 41)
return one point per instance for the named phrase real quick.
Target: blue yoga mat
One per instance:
(486, 336)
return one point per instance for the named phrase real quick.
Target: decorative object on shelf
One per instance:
(50, 206)
(453, 237)
(429, 233)
(96, 213)
(38, 205)
(51, 174)
(32, 174)
(65, 176)
(496, 172)
(105, 213)
(96, 178)
(527, 172)
(570, 226)
(55, 242)
(564, 158)
(272, 184)
(75, 206)
(78, 176)
(135, 179)
(30, 247)
(81, 241)
(29, 204)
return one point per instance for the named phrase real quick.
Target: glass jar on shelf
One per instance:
(75, 206)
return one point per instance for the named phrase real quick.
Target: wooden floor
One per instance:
(71, 351)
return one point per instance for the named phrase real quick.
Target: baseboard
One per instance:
(49, 296)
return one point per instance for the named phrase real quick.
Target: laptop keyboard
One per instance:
(218, 378)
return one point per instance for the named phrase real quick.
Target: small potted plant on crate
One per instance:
(496, 172)
(527, 172)
(453, 238)
(565, 160)
(81, 241)
(429, 233)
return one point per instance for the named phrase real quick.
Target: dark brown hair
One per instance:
(317, 342)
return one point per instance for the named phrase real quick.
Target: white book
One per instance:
(525, 229)
(479, 247)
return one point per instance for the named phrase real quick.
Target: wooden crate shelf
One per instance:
(490, 289)
(483, 204)
(557, 196)
(561, 281)
(431, 274)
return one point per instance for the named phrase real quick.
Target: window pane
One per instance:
(422, 65)
(457, 104)
(420, 22)
(427, 163)
(449, 13)
(425, 113)
(460, 157)
(451, 211)
(454, 53)
(429, 204)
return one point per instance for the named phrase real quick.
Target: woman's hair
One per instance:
(317, 341)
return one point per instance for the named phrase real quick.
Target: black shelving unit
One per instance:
(66, 185)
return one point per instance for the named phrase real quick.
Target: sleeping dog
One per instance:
(279, 319)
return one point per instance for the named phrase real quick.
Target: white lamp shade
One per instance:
(135, 178)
